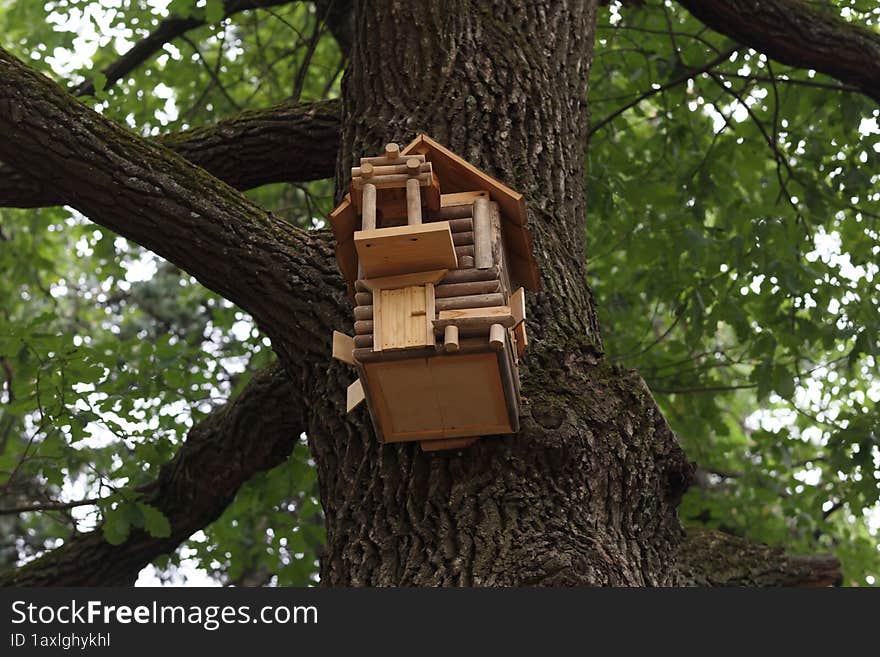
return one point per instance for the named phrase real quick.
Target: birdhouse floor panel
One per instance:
(441, 397)
(405, 249)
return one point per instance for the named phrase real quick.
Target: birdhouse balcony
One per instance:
(439, 329)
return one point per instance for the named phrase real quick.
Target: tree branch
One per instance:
(168, 30)
(48, 506)
(284, 143)
(794, 33)
(713, 558)
(255, 432)
(150, 195)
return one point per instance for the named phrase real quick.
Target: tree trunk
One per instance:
(586, 493)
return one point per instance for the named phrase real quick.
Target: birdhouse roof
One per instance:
(455, 175)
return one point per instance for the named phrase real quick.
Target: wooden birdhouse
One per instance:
(436, 254)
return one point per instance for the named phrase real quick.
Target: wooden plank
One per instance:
(404, 318)
(470, 394)
(482, 235)
(518, 305)
(403, 394)
(522, 339)
(470, 301)
(364, 355)
(344, 220)
(474, 317)
(509, 376)
(404, 249)
(403, 280)
(461, 198)
(343, 346)
(354, 396)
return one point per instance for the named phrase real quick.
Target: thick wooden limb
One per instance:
(795, 33)
(284, 143)
(159, 200)
(255, 432)
(714, 558)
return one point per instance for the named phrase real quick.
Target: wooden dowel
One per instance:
(363, 327)
(468, 275)
(465, 225)
(450, 339)
(466, 262)
(463, 239)
(465, 251)
(363, 312)
(473, 344)
(413, 202)
(463, 289)
(364, 300)
(482, 234)
(496, 337)
(361, 341)
(470, 301)
(392, 151)
(366, 170)
(452, 212)
(368, 207)
(468, 323)
(381, 160)
(391, 180)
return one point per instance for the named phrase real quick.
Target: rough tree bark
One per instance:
(277, 144)
(585, 494)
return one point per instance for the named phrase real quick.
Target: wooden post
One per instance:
(482, 234)
(368, 205)
(450, 338)
(496, 337)
(413, 202)
(392, 151)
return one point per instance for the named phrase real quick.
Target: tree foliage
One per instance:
(733, 245)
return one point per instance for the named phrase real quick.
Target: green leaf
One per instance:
(155, 522)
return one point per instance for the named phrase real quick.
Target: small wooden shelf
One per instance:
(404, 249)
